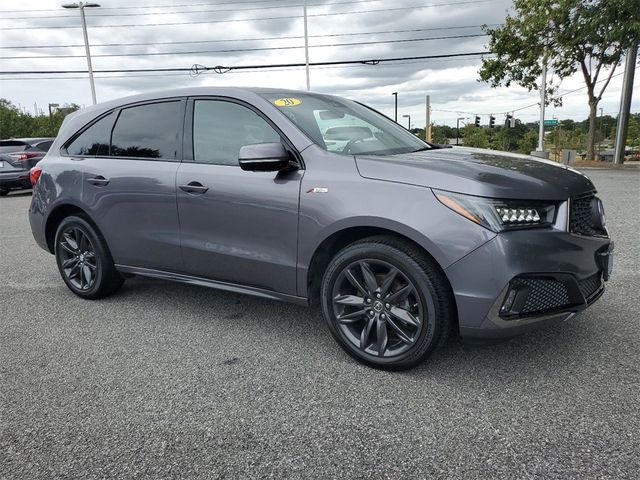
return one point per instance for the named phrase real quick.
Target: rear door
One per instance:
(237, 226)
(129, 162)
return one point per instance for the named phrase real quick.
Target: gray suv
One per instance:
(315, 199)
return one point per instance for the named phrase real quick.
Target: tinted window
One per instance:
(221, 128)
(94, 140)
(45, 146)
(147, 131)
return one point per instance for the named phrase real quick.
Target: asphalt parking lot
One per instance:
(173, 381)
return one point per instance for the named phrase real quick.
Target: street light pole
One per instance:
(409, 117)
(395, 116)
(81, 6)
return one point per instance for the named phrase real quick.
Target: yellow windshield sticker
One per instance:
(287, 102)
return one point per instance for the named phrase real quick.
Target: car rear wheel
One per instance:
(84, 261)
(386, 303)
(4, 192)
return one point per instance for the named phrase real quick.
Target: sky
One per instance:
(259, 32)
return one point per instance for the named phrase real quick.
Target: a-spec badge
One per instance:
(318, 190)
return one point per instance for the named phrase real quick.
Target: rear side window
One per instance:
(45, 146)
(220, 128)
(94, 140)
(147, 131)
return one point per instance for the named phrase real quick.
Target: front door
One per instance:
(236, 226)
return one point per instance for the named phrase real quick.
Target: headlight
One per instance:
(497, 214)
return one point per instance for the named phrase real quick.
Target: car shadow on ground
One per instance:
(548, 352)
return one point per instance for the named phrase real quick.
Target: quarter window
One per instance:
(220, 128)
(147, 131)
(94, 140)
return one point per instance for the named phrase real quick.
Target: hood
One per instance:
(474, 171)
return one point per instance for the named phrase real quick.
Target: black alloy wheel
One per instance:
(84, 261)
(78, 258)
(386, 302)
(377, 307)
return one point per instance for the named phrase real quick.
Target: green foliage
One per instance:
(474, 136)
(570, 36)
(16, 124)
(442, 133)
(528, 142)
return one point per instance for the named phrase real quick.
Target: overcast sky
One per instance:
(226, 25)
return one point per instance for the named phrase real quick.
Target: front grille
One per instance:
(543, 294)
(591, 285)
(581, 217)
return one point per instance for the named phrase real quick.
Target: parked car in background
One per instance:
(399, 241)
(17, 156)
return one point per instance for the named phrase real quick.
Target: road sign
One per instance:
(551, 122)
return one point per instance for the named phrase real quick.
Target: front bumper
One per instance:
(522, 280)
(15, 179)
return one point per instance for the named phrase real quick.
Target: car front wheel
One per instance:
(386, 302)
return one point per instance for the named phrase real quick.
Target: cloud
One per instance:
(451, 82)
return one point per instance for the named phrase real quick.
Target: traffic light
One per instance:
(492, 121)
(510, 121)
(477, 123)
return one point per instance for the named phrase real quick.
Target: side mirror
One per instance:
(263, 157)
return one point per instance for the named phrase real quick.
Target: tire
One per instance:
(412, 316)
(3, 192)
(84, 260)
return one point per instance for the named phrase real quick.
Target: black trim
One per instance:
(205, 282)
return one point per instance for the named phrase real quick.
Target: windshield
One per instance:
(345, 127)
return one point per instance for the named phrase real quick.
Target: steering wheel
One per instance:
(351, 143)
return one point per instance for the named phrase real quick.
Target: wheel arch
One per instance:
(336, 240)
(57, 215)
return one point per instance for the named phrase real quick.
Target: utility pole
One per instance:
(458, 128)
(600, 137)
(306, 46)
(543, 100)
(427, 128)
(625, 105)
(81, 6)
(395, 115)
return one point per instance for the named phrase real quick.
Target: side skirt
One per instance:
(205, 282)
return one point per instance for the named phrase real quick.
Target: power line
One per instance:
(198, 52)
(267, 7)
(289, 17)
(197, 69)
(151, 75)
(536, 104)
(289, 69)
(293, 37)
(153, 6)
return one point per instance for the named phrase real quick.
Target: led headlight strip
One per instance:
(499, 214)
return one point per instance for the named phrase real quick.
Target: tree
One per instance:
(16, 124)
(589, 36)
(442, 133)
(475, 137)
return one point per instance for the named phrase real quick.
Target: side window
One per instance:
(147, 131)
(220, 128)
(45, 146)
(94, 140)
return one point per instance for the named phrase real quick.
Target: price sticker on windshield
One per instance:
(287, 102)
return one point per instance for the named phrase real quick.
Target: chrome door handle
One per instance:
(99, 181)
(194, 187)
